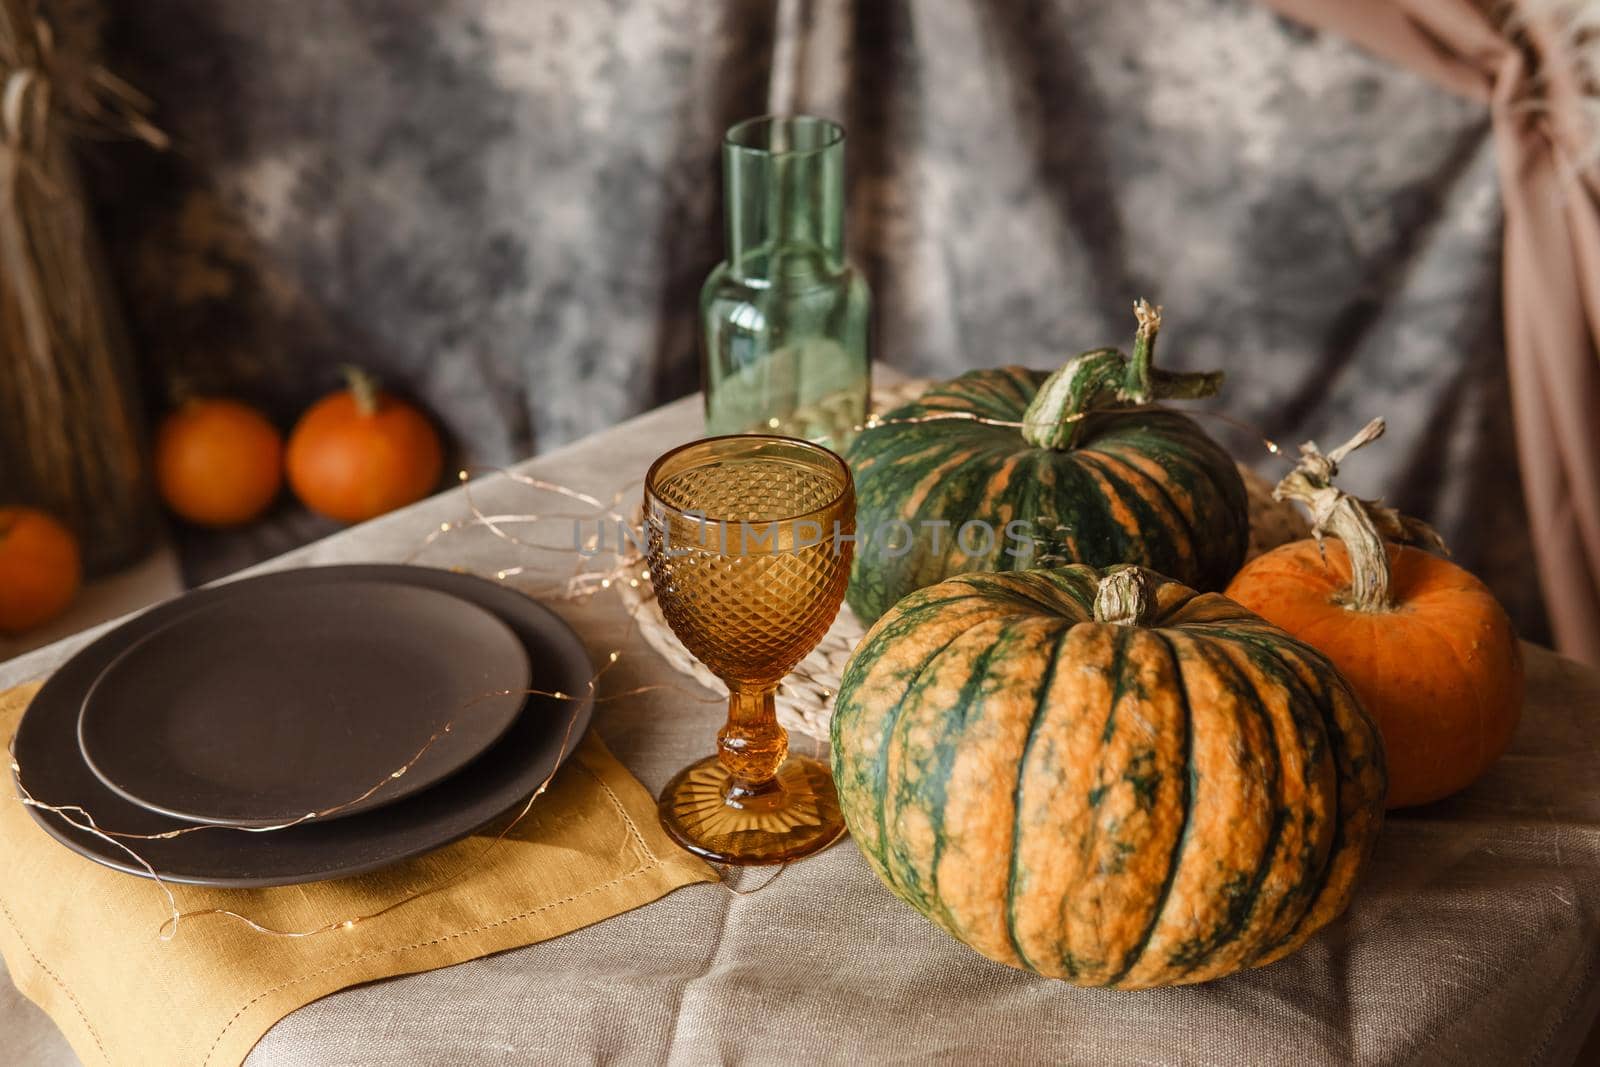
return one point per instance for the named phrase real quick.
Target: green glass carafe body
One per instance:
(785, 319)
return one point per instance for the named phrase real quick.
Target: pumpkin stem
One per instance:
(181, 390)
(1363, 525)
(1141, 367)
(1126, 597)
(364, 387)
(1106, 379)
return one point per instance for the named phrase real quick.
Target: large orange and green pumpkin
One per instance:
(1009, 469)
(1105, 777)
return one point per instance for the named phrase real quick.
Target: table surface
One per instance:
(1475, 937)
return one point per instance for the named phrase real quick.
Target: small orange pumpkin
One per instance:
(1427, 647)
(218, 462)
(40, 569)
(360, 452)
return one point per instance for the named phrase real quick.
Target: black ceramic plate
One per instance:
(273, 702)
(54, 769)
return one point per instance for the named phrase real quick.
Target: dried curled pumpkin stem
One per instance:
(364, 387)
(1106, 379)
(1365, 526)
(1126, 597)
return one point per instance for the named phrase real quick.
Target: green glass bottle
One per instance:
(785, 319)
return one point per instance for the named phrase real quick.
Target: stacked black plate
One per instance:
(388, 699)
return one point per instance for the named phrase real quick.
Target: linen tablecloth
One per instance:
(1475, 937)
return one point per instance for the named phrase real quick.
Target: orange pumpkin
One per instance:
(218, 462)
(361, 452)
(1428, 649)
(1104, 776)
(40, 569)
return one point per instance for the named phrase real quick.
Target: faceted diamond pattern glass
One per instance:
(750, 541)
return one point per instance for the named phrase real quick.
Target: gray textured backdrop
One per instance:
(507, 207)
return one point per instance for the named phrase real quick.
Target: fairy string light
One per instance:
(300, 820)
(169, 928)
(79, 818)
(627, 568)
(585, 582)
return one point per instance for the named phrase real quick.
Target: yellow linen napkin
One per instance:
(81, 940)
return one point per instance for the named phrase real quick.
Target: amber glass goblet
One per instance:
(750, 543)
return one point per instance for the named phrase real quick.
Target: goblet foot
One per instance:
(796, 814)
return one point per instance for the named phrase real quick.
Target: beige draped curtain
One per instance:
(1525, 62)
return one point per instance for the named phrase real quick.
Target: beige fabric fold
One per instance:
(1551, 195)
(80, 940)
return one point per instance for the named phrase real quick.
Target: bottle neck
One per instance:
(783, 181)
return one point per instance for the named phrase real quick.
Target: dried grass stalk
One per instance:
(70, 434)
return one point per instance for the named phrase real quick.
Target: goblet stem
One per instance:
(752, 746)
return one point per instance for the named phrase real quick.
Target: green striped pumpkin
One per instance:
(1087, 483)
(1117, 782)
